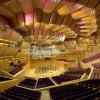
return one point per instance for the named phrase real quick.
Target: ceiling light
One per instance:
(80, 38)
(55, 1)
(92, 11)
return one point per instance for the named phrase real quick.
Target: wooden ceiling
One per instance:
(78, 20)
(65, 17)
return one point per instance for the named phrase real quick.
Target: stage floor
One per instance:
(31, 73)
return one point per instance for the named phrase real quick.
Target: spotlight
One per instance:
(55, 1)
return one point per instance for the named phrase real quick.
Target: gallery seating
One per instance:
(44, 82)
(29, 83)
(78, 71)
(88, 90)
(41, 83)
(90, 83)
(91, 58)
(17, 93)
(4, 79)
(96, 65)
(71, 74)
(63, 78)
(16, 68)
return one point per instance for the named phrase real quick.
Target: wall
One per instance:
(42, 62)
(7, 84)
(4, 64)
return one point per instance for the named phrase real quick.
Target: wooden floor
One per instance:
(31, 73)
(45, 95)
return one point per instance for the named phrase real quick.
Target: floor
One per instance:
(31, 73)
(45, 95)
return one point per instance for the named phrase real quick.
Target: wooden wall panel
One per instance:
(21, 20)
(60, 20)
(92, 3)
(53, 18)
(83, 2)
(37, 15)
(46, 17)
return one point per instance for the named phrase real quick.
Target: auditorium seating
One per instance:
(92, 58)
(29, 83)
(41, 83)
(4, 79)
(87, 71)
(62, 78)
(44, 82)
(16, 68)
(71, 74)
(90, 83)
(96, 65)
(88, 90)
(78, 71)
(17, 93)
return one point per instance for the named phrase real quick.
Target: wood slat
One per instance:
(68, 22)
(21, 20)
(37, 15)
(53, 18)
(46, 17)
(83, 2)
(67, 17)
(72, 1)
(60, 19)
(92, 3)
(6, 12)
(3, 21)
(14, 22)
(98, 19)
(13, 6)
(49, 6)
(73, 26)
(3, 1)
(97, 9)
(38, 3)
(26, 5)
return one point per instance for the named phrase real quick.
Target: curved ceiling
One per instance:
(73, 19)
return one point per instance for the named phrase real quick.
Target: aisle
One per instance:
(45, 95)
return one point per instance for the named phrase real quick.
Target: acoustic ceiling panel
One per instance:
(53, 18)
(46, 17)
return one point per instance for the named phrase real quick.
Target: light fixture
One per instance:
(80, 38)
(55, 1)
(92, 12)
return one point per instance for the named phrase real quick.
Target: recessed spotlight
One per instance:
(55, 1)
(80, 38)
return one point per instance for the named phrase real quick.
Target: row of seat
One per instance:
(78, 71)
(96, 65)
(18, 93)
(44, 82)
(40, 83)
(16, 68)
(71, 74)
(90, 83)
(92, 58)
(60, 79)
(29, 83)
(88, 90)
(4, 79)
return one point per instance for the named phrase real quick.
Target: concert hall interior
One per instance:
(49, 49)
